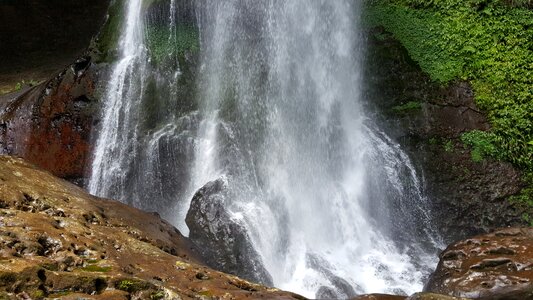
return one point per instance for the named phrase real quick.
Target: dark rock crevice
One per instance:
(40, 38)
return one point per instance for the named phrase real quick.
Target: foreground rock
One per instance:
(56, 241)
(223, 241)
(498, 265)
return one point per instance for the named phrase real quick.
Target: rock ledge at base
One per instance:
(57, 241)
(498, 265)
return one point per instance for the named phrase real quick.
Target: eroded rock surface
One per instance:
(498, 265)
(222, 240)
(50, 124)
(56, 241)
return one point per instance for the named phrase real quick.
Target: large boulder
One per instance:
(498, 265)
(57, 241)
(222, 240)
(50, 124)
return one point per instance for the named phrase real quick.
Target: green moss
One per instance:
(157, 295)
(131, 285)
(485, 42)
(51, 266)
(37, 294)
(164, 43)
(96, 268)
(59, 294)
(206, 293)
(448, 146)
(406, 107)
(108, 38)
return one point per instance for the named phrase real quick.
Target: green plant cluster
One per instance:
(132, 286)
(96, 268)
(408, 106)
(164, 42)
(482, 143)
(19, 85)
(486, 42)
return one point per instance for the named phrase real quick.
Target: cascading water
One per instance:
(146, 135)
(331, 204)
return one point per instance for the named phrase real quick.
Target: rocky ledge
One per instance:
(498, 265)
(56, 241)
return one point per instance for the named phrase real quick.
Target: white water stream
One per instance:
(329, 201)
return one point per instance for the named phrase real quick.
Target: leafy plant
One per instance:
(486, 42)
(482, 144)
(448, 146)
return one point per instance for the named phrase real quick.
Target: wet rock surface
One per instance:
(221, 239)
(498, 265)
(50, 124)
(56, 241)
(428, 119)
(417, 296)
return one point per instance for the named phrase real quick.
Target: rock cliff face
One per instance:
(49, 121)
(50, 124)
(428, 119)
(56, 241)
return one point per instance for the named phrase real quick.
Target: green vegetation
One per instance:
(486, 42)
(409, 106)
(448, 146)
(96, 268)
(107, 41)
(24, 83)
(164, 42)
(37, 294)
(9, 87)
(132, 286)
(482, 143)
(157, 295)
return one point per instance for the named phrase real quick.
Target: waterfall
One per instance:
(331, 204)
(115, 141)
(147, 129)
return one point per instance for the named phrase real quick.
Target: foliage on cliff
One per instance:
(486, 42)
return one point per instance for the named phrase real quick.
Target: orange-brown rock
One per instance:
(56, 241)
(498, 265)
(50, 124)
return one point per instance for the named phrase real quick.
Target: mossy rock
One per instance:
(108, 38)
